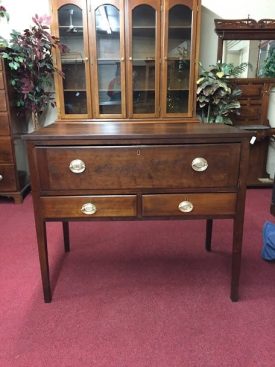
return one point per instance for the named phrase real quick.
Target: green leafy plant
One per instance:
(217, 96)
(29, 57)
(268, 69)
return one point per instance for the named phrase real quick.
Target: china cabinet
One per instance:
(13, 160)
(130, 59)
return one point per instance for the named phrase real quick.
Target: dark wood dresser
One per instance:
(138, 171)
(272, 206)
(14, 180)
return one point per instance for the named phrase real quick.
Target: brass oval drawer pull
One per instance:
(185, 206)
(88, 209)
(77, 166)
(1, 177)
(199, 164)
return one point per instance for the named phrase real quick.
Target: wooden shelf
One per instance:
(72, 90)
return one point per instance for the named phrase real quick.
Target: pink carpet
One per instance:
(136, 294)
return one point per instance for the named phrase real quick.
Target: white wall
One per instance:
(241, 9)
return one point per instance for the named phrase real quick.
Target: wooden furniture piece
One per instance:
(246, 40)
(132, 59)
(138, 171)
(272, 207)
(14, 180)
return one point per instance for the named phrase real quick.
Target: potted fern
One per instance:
(217, 96)
(29, 58)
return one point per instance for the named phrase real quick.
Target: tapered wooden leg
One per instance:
(66, 236)
(43, 258)
(208, 237)
(236, 259)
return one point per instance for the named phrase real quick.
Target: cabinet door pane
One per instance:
(70, 22)
(143, 59)
(178, 59)
(108, 59)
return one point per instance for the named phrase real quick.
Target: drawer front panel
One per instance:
(6, 155)
(4, 124)
(2, 86)
(3, 102)
(98, 206)
(201, 204)
(7, 177)
(135, 167)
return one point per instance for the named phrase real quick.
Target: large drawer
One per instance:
(6, 155)
(189, 204)
(134, 167)
(89, 206)
(7, 177)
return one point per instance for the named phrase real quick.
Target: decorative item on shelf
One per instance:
(3, 15)
(217, 96)
(170, 102)
(29, 58)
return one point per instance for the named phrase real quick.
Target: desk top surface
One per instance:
(135, 130)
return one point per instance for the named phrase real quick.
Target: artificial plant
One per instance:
(217, 96)
(29, 57)
(4, 13)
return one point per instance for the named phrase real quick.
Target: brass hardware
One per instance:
(86, 59)
(122, 59)
(130, 58)
(199, 164)
(77, 166)
(88, 209)
(1, 177)
(185, 206)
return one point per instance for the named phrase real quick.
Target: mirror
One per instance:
(249, 41)
(253, 52)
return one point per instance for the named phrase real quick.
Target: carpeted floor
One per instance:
(136, 294)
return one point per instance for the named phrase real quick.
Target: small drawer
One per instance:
(4, 124)
(2, 85)
(89, 206)
(7, 177)
(3, 102)
(189, 204)
(6, 155)
(249, 90)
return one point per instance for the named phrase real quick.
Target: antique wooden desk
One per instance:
(138, 171)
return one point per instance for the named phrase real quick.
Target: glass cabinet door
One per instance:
(143, 59)
(178, 72)
(108, 62)
(73, 62)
